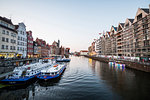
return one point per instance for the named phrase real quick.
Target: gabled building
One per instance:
(22, 40)
(141, 26)
(29, 44)
(56, 47)
(98, 47)
(119, 39)
(128, 37)
(35, 50)
(107, 43)
(42, 47)
(8, 38)
(113, 33)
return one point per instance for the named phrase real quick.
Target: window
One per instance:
(7, 40)
(18, 48)
(11, 40)
(7, 32)
(6, 47)
(10, 47)
(12, 34)
(3, 32)
(2, 46)
(3, 39)
(139, 16)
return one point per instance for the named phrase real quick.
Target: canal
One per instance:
(86, 79)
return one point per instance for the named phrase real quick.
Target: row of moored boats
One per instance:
(41, 70)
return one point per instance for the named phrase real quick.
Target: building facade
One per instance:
(119, 39)
(128, 38)
(35, 49)
(8, 38)
(29, 44)
(22, 40)
(113, 32)
(44, 49)
(141, 28)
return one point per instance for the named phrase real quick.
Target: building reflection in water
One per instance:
(125, 82)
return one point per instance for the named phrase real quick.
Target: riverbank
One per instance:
(129, 64)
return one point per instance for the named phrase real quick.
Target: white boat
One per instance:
(25, 73)
(52, 72)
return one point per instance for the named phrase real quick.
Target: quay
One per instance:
(8, 65)
(129, 64)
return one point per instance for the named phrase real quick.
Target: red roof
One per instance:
(83, 51)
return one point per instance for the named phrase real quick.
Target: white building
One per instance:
(98, 46)
(83, 52)
(22, 40)
(8, 38)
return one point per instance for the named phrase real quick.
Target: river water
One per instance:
(86, 79)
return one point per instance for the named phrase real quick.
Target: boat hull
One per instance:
(64, 60)
(17, 81)
(48, 77)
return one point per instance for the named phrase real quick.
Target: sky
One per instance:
(76, 23)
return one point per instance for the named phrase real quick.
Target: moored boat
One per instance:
(52, 72)
(63, 60)
(24, 74)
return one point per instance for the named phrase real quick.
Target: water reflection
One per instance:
(128, 83)
(86, 79)
(17, 93)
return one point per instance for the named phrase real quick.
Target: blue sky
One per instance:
(75, 22)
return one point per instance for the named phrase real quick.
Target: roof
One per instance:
(131, 20)
(145, 10)
(8, 28)
(122, 24)
(6, 20)
(83, 51)
(115, 28)
(16, 26)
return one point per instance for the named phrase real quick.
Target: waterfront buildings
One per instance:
(35, 49)
(128, 39)
(92, 49)
(56, 47)
(141, 28)
(22, 40)
(8, 38)
(43, 51)
(119, 39)
(83, 52)
(113, 32)
(97, 46)
(107, 44)
(29, 44)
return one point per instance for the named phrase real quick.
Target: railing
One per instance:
(123, 59)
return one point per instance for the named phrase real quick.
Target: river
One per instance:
(86, 79)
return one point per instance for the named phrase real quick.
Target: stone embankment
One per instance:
(129, 64)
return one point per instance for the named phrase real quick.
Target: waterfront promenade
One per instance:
(137, 65)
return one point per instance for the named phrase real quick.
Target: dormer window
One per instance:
(139, 16)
